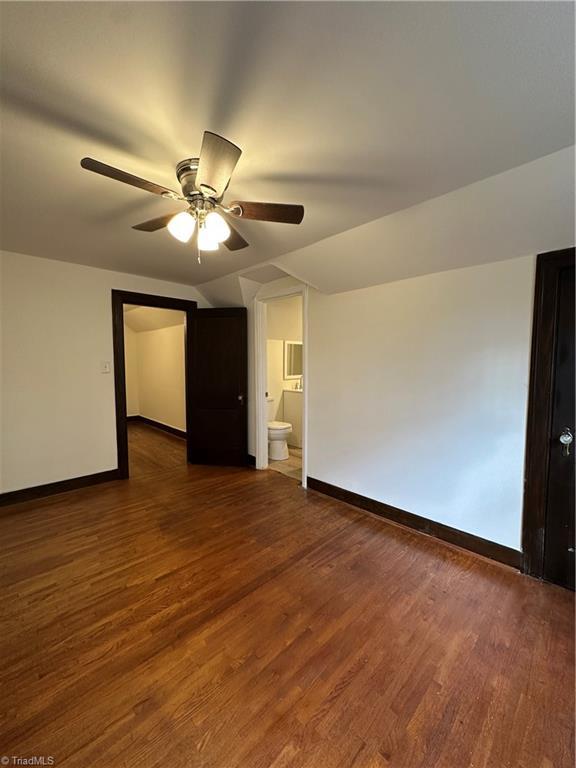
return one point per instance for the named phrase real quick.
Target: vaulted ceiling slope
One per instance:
(523, 211)
(520, 212)
(355, 109)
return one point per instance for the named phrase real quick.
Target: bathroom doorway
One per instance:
(281, 382)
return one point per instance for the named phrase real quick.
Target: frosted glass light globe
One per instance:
(182, 226)
(205, 240)
(217, 227)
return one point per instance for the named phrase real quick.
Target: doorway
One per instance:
(281, 381)
(548, 525)
(154, 355)
(215, 380)
(122, 301)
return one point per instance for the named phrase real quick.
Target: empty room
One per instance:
(287, 384)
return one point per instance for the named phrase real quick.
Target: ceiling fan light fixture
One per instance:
(217, 227)
(204, 181)
(206, 242)
(182, 226)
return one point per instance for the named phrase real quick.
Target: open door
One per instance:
(217, 387)
(548, 526)
(559, 531)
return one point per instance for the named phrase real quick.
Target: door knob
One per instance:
(566, 438)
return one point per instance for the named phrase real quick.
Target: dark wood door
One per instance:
(217, 387)
(559, 534)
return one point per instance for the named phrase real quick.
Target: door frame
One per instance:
(119, 298)
(260, 354)
(544, 337)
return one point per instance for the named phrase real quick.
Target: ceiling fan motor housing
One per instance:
(186, 171)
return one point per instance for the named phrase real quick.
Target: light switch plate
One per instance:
(105, 366)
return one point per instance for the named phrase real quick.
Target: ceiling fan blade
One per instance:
(154, 224)
(286, 214)
(235, 242)
(218, 158)
(115, 173)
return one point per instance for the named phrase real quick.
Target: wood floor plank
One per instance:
(227, 618)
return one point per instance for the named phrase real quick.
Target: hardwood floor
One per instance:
(227, 618)
(151, 450)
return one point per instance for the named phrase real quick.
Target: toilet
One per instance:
(278, 432)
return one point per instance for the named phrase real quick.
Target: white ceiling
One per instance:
(353, 109)
(151, 318)
(265, 274)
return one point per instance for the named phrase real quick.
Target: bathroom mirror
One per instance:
(292, 359)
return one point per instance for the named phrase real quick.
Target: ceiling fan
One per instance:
(204, 180)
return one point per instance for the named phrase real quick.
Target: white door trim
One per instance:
(261, 373)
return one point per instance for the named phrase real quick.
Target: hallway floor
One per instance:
(212, 617)
(151, 451)
(291, 467)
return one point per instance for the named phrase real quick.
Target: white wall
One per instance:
(161, 375)
(418, 391)
(275, 376)
(58, 410)
(131, 371)
(284, 318)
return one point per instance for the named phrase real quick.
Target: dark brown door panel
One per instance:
(217, 387)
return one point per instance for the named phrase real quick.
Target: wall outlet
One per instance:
(105, 366)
